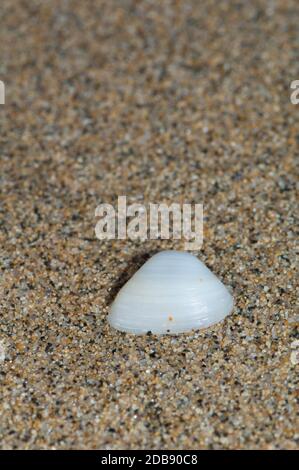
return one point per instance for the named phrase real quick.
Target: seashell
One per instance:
(173, 292)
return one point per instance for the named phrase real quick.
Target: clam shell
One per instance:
(173, 292)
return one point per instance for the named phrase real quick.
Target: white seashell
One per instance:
(173, 292)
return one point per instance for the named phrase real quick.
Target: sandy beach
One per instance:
(173, 101)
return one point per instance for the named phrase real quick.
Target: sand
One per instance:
(163, 102)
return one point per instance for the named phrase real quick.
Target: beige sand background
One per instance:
(173, 101)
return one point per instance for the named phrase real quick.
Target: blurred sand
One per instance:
(173, 101)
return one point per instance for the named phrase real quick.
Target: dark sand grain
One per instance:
(164, 102)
